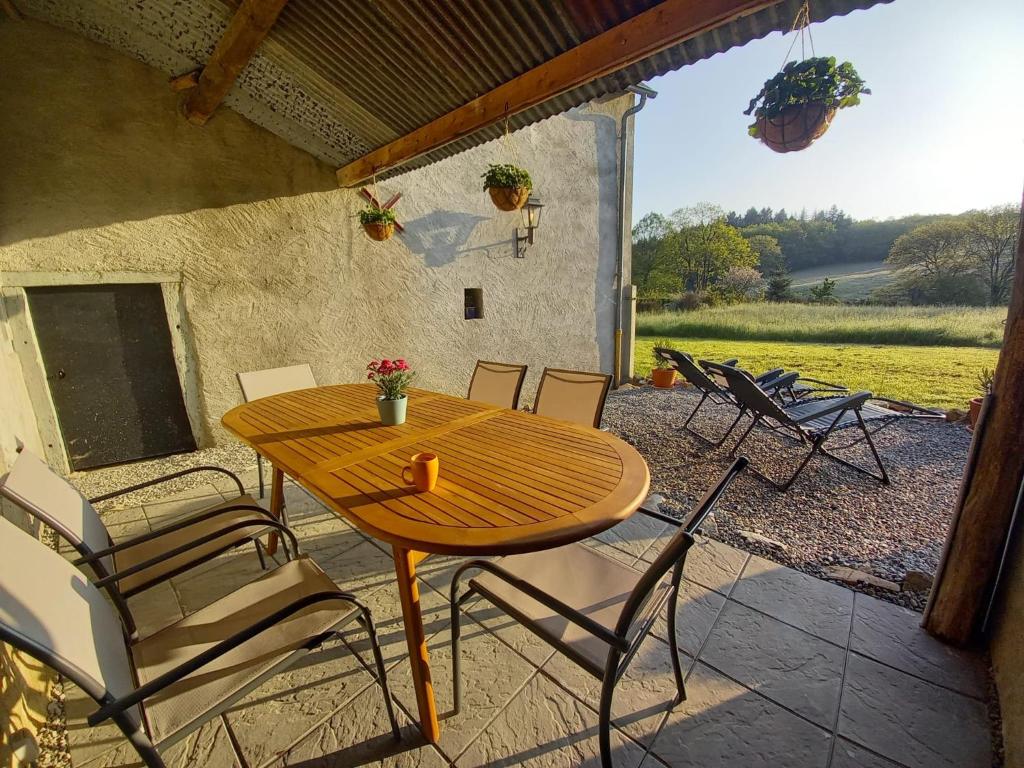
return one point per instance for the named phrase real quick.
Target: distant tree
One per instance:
(937, 250)
(778, 288)
(706, 246)
(740, 284)
(764, 216)
(781, 216)
(824, 293)
(733, 219)
(653, 271)
(992, 235)
(769, 253)
(751, 217)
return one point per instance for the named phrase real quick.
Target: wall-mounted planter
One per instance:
(509, 198)
(796, 127)
(379, 231)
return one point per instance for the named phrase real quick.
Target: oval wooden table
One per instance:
(509, 482)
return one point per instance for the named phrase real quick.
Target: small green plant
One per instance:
(506, 175)
(824, 293)
(659, 361)
(985, 380)
(374, 215)
(811, 81)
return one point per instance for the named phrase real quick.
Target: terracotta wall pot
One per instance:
(976, 410)
(663, 378)
(796, 128)
(509, 198)
(380, 231)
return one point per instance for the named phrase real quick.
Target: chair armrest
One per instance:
(837, 404)
(733, 361)
(173, 527)
(774, 373)
(779, 383)
(566, 611)
(174, 675)
(165, 478)
(241, 524)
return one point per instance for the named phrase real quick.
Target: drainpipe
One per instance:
(644, 93)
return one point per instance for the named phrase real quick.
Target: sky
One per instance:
(942, 131)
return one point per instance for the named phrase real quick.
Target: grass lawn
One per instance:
(833, 324)
(942, 377)
(853, 281)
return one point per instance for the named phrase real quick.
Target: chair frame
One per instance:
(115, 709)
(776, 419)
(519, 383)
(623, 643)
(711, 390)
(604, 391)
(106, 579)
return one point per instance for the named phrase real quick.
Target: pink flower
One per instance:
(370, 375)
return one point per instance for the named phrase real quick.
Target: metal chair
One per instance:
(813, 421)
(717, 393)
(590, 607)
(572, 396)
(165, 686)
(274, 381)
(497, 383)
(134, 565)
(796, 388)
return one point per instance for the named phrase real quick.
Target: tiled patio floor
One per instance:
(783, 670)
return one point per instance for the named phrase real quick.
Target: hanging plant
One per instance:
(508, 185)
(797, 105)
(378, 223)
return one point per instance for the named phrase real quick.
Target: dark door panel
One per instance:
(110, 367)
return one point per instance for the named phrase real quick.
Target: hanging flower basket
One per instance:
(508, 185)
(797, 105)
(378, 223)
(796, 127)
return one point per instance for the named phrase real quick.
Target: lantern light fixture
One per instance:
(531, 213)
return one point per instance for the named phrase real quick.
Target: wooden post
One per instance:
(976, 543)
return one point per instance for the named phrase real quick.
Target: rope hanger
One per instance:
(801, 23)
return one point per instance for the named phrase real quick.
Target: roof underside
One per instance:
(340, 78)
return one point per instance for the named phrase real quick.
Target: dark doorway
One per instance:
(110, 367)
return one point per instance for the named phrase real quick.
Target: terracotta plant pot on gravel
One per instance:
(509, 198)
(976, 410)
(663, 378)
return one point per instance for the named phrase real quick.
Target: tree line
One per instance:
(703, 254)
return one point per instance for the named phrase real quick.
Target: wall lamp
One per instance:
(531, 222)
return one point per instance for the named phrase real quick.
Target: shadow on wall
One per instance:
(91, 137)
(441, 236)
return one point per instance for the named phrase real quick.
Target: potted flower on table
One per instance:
(392, 377)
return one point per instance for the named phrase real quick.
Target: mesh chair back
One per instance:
(748, 393)
(572, 396)
(675, 551)
(50, 611)
(497, 383)
(48, 497)
(274, 381)
(689, 370)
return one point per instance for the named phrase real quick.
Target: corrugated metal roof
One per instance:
(403, 64)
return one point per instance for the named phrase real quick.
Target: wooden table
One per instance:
(509, 482)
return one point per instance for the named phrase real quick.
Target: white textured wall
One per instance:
(100, 173)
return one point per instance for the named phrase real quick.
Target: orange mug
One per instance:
(422, 471)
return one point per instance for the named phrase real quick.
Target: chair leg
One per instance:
(686, 424)
(456, 661)
(605, 710)
(673, 645)
(816, 446)
(259, 554)
(731, 427)
(382, 675)
(259, 472)
(754, 423)
(874, 451)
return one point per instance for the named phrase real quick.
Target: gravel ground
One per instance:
(832, 516)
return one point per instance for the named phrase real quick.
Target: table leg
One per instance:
(408, 591)
(276, 505)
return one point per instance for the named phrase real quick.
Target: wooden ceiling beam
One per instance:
(666, 24)
(246, 30)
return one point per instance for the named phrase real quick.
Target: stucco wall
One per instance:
(100, 173)
(1007, 649)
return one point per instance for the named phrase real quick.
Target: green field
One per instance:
(941, 377)
(853, 281)
(838, 324)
